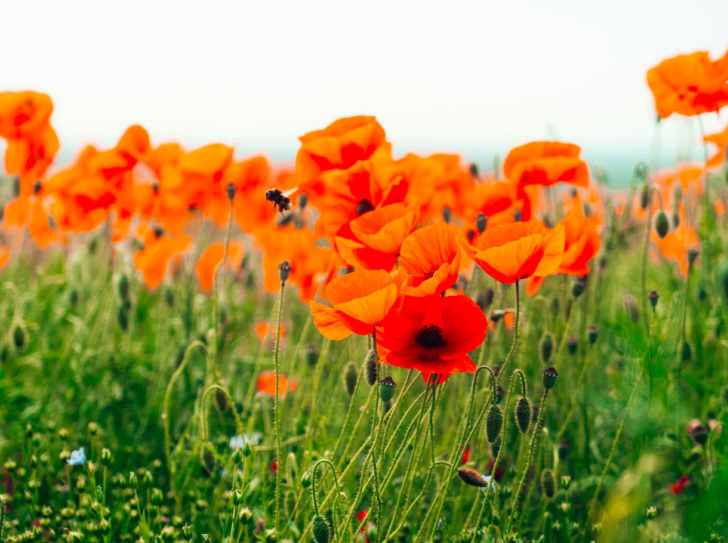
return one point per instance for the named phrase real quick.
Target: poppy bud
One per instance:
(312, 355)
(481, 222)
(644, 196)
(563, 448)
(19, 337)
(700, 435)
(675, 218)
(572, 344)
(350, 377)
(187, 532)
(630, 306)
(546, 347)
(565, 482)
(105, 457)
(653, 296)
(387, 387)
(231, 189)
(548, 483)
(133, 481)
(578, 285)
(36, 188)
(662, 224)
(321, 530)
(651, 512)
(247, 449)
(306, 479)
(549, 377)
(302, 201)
(692, 255)
(493, 423)
(123, 287)
(446, 214)
(471, 477)
(237, 456)
(592, 334)
(517, 214)
(686, 351)
(284, 271)
(523, 414)
(123, 318)
(372, 369)
(474, 171)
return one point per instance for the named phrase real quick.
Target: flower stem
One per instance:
(278, 408)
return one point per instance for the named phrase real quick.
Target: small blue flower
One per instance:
(487, 480)
(78, 458)
(237, 442)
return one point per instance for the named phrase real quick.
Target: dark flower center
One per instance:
(363, 206)
(430, 337)
(430, 274)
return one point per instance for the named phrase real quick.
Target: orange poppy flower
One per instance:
(720, 140)
(505, 315)
(433, 335)
(511, 252)
(338, 146)
(31, 157)
(359, 301)
(431, 256)
(689, 84)
(211, 259)
(262, 330)
(267, 384)
(23, 114)
(546, 163)
(153, 259)
(582, 243)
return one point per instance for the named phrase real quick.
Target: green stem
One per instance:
(278, 408)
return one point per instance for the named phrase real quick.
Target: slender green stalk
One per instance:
(278, 407)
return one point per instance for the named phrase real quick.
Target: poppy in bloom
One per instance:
(676, 244)
(433, 335)
(267, 383)
(338, 146)
(689, 84)
(678, 487)
(359, 301)
(23, 114)
(153, 259)
(262, 329)
(510, 252)
(720, 140)
(546, 163)
(211, 260)
(431, 256)
(582, 243)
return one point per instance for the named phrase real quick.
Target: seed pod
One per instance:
(493, 423)
(187, 532)
(546, 347)
(284, 271)
(523, 414)
(372, 369)
(387, 387)
(481, 222)
(350, 377)
(19, 337)
(592, 334)
(572, 344)
(653, 296)
(312, 355)
(231, 189)
(549, 377)
(578, 285)
(548, 483)
(662, 224)
(321, 530)
(471, 477)
(517, 214)
(105, 457)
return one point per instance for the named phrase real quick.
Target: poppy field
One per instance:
(361, 346)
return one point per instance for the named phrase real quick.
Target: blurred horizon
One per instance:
(476, 79)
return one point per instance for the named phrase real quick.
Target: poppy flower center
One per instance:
(363, 206)
(430, 337)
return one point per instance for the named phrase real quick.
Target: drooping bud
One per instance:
(493, 423)
(387, 387)
(523, 414)
(653, 296)
(592, 334)
(312, 355)
(321, 529)
(446, 214)
(471, 477)
(350, 376)
(644, 196)
(231, 189)
(284, 271)
(481, 222)
(578, 285)
(662, 224)
(123, 287)
(549, 377)
(548, 483)
(371, 367)
(546, 347)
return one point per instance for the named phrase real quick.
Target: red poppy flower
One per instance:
(433, 335)
(23, 114)
(689, 84)
(511, 252)
(211, 260)
(678, 487)
(267, 383)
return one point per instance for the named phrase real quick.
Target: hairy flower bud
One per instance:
(284, 271)
(662, 224)
(493, 423)
(546, 347)
(548, 483)
(523, 414)
(321, 530)
(371, 367)
(350, 376)
(471, 477)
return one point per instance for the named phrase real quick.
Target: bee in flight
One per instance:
(280, 198)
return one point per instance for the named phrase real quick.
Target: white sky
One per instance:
(470, 76)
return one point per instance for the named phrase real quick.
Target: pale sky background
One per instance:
(474, 77)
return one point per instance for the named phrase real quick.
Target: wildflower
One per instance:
(211, 259)
(511, 252)
(360, 301)
(267, 383)
(720, 140)
(433, 335)
(678, 487)
(78, 458)
(431, 256)
(238, 441)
